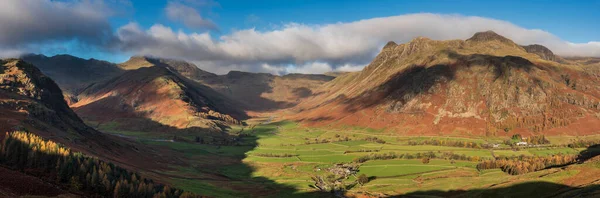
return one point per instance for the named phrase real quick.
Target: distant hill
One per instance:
(258, 92)
(186, 69)
(483, 86)
(72, 73)
(261, 92)
(155, 97)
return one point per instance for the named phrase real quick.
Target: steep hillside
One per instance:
(186, 69)
(31, 100)
(485, 85)
(72, 73)
(261, 92)
(258, 92)
(156, 98)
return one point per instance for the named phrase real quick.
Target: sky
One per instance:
(282, 36)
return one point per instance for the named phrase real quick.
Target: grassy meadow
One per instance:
(279, 158)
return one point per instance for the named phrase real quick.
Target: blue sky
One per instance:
(576, 21)
(280, 36)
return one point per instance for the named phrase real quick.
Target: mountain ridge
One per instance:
(486, 85)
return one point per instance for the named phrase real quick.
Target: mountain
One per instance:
(72, 73)
(31, 100)
(39, 131)
(258, 92)
(184, 68)
(542, 51)
(262, 92)
(156, 98)
(483, 86)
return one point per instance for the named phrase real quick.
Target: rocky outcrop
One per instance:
(541, 51)
(24, 89)
(488, 36)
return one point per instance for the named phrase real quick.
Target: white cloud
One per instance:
(340, 46)
(24, 22)
(292, 47)
(187, 15)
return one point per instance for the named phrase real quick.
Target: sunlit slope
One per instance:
(485, 85)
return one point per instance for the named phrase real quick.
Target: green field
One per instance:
(278, 160)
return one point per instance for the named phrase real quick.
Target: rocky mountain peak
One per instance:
(390, 45)
(489, 36)
(541, 50)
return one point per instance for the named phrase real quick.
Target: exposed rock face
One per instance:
(542, 51)
(486, 85)
(31, 100)
(488, 36)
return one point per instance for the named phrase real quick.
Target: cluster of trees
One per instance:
(535, 140)
(323, 141)
(361, 151)
(538, 139)
(317, 141)
(362, 179)
(374, 139)
(274, 155)
(213, 140)
(55, 163)
(341, 139)
(451, 143)
(429, 155)
(453, 156)
(523, 164)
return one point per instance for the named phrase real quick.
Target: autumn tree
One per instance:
(363, 179)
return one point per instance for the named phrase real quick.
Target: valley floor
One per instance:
(280, 159)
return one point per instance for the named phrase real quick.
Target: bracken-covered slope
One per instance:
(485, 85)
(156, 98)
(72, 73)
(261, 92)
(257, 92)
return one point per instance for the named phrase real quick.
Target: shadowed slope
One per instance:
(158, 94)
(257, 92)
(72, 73)
(30, 101)
(486, 85)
